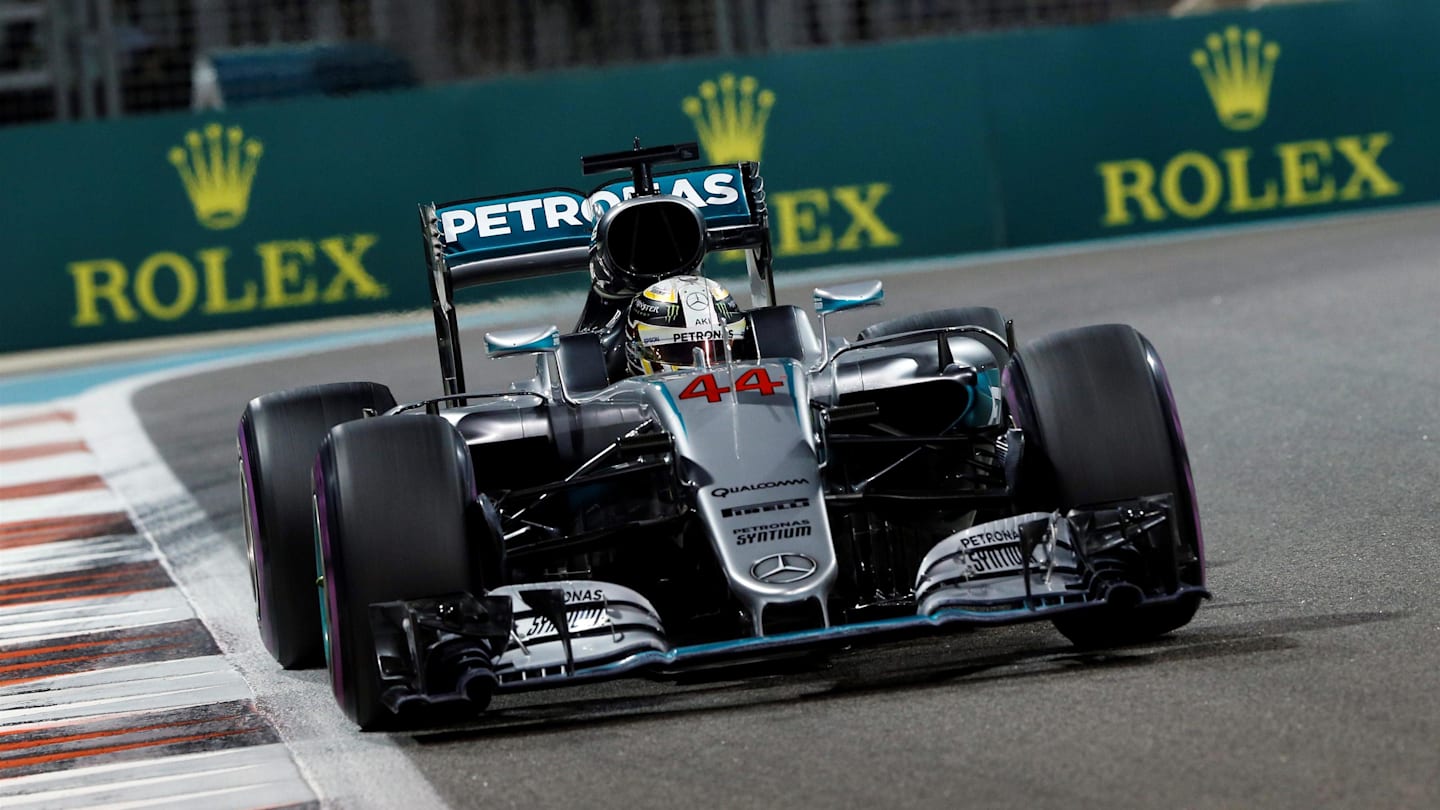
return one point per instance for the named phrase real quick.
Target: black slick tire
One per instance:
(392, 500)
(1100, 425)
(277, 439)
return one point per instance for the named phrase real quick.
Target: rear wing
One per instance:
(547, 232)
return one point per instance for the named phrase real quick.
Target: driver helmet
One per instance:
(673, 317)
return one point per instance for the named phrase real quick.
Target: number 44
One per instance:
(755, 379)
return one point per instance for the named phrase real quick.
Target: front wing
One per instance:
(534, 636)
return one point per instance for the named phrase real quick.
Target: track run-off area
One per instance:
(1303, 361)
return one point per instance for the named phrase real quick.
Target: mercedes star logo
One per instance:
(697, 299)
(783, 568)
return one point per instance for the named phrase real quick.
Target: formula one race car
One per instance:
(684, 483)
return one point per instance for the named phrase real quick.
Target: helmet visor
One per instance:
(683, 354)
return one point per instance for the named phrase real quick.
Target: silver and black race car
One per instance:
(793, 492)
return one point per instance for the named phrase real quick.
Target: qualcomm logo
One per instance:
(217, 170)
(1237, 71)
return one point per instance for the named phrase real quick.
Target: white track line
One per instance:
(60, 505)
(235, 778)
(127, 679)
(24, 624)
(157, 686)
(49, 431)
(64, 556)
(48, 468)
(12, 412)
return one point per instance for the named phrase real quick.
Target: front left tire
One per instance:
(393, 507)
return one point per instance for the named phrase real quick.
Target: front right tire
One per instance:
(1100, 425)
(277, 439)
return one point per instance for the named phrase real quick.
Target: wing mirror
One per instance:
(522, 340)
(541, 341)
(544, 343)
(841, 297)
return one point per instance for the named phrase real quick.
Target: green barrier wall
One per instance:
(306, 209)
(1340, 110)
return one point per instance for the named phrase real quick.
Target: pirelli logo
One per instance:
(759, 508)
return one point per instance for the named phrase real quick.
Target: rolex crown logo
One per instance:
(1237, 70)
(217, 169)
(730, 117)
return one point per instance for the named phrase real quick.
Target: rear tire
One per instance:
(278, 436)
(392, 498)
(987, 317)
(1100, 425)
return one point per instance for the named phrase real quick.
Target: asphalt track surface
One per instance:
(1303, 360)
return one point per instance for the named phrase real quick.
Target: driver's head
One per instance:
(673, 317)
